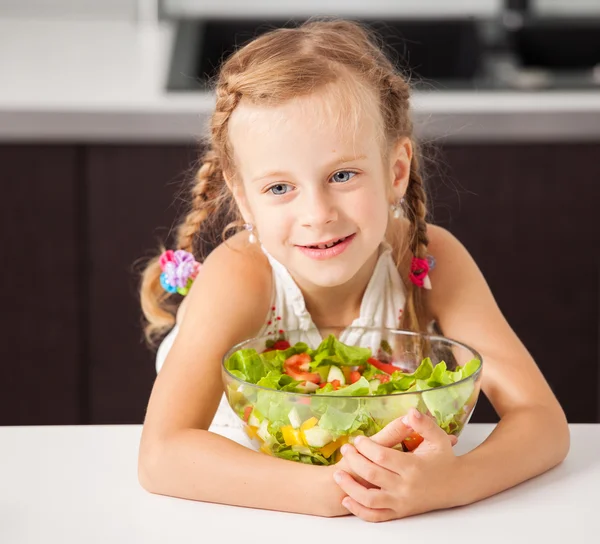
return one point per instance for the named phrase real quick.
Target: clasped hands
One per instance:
(381, 483)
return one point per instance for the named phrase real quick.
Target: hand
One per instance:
(390, 436)
(399, 484)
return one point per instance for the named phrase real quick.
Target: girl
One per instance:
(311, 149)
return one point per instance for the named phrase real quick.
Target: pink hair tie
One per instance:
(419, 271)
(179, 270)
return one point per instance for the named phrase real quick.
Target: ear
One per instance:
(400, 159)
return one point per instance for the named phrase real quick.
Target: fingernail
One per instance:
(346, 503)
(337, 476)
(404, 420)
(416, 413)
(345, 449)
(358, 440)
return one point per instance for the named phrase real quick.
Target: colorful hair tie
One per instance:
(419, 271)
(179, 271)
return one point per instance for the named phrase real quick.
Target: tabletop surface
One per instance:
(76, 484)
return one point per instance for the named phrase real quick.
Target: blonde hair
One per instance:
(274, 68)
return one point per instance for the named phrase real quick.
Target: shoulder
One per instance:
(235, 281)
(455, 277)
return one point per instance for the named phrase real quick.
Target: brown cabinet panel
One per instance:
(41, 286)
(131, 193)
(527, 214)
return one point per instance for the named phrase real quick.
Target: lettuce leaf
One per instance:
(249, 364)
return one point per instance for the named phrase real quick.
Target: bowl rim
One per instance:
(434, 337)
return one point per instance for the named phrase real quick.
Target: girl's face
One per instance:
(307, 182)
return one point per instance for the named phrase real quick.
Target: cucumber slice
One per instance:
(294, 418)
(317, 437)
(336, 374)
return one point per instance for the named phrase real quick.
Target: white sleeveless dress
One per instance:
(382, 306)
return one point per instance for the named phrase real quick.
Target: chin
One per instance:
(328, 275)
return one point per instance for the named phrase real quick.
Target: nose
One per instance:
(318, 208)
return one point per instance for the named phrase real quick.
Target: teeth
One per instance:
(327, 246)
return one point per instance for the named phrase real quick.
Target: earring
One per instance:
(397, 209)
(250, 228)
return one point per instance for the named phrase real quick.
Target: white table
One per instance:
(78, 484)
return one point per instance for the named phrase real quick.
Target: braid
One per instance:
(416, 204)
(204, 193)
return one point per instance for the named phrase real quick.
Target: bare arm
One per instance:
(532, 435)
(178, 455)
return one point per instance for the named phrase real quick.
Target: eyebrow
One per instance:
(281, 173)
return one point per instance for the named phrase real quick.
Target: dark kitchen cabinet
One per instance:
(73, 345)
(42, 282)
(131, 195)
(527, 214)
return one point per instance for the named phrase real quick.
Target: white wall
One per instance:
(71, 9)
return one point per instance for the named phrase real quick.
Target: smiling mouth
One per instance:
(328, 244)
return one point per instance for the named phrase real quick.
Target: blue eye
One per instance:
(279, 189)
(343, 176)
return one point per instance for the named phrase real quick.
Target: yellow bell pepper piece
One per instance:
(338, 456)
(333, 446)
(309, 424)
(252, 432)
(266, 449)
(292, 436)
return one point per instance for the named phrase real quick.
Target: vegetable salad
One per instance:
(328, 400)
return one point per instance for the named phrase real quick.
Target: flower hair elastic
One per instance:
(419, 271)
(179, 270)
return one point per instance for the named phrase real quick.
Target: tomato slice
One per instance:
(383, 378)
(336, 384)
(355, 375)
(412, 441)
(247, 412)
(301, 360)
(297, 365)
(386, 367)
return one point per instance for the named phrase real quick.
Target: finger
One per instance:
(392, 434)
(387, 458)
(371, 498)
(427, 427)
(368, 514)
(453, 439)
(366, 469)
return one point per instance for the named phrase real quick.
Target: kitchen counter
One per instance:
(105, 81)
(77, 484)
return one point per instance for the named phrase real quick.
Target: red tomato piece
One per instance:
(297, 366)
(355, 375)
(301, 360)
(412, 441)
(386, 367)
(281, 344)
(247, 412)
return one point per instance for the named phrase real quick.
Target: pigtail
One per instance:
(158, 306)
(416, 208)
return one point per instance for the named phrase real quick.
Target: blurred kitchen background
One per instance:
(101, 106)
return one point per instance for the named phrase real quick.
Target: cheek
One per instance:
(373, 209)
(272, 222)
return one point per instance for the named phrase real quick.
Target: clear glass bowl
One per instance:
(312, 428)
